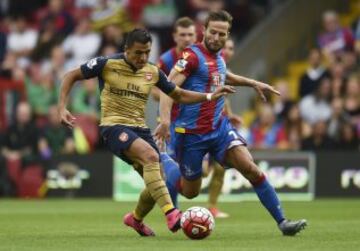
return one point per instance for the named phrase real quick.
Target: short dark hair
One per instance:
(137, 35)
(220, 15)
(184, 22)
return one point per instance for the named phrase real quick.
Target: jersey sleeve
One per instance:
(93, 67)
(165, 85)
(187, 63)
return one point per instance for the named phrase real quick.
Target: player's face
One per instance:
(216, 35)
(138, 54)
(228, 50)
(184, 37)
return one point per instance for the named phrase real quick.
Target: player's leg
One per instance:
(143, 153)
(188, 153)
(145, 203)
(239, 158)
(125, 143)
(172, 176)
(178, 182)
(231, 149)
(216, 183)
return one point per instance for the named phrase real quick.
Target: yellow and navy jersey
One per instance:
(124, 89)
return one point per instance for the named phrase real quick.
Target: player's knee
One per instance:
(150, 155)
(190, 194)
(251, 172)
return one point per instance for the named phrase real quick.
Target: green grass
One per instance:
(97, 225)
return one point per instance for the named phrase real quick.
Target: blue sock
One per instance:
(269, 199)
(173, 175)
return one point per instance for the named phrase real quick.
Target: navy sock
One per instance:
(269, 199)
(173, 175)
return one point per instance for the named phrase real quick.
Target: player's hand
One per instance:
(222, 91)
(261, 88)
(162, 133)
(66, 118)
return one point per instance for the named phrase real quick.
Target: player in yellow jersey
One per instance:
(125, 81)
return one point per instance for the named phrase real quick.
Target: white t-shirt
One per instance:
(313, 110)
(22, 41)
(81, 47)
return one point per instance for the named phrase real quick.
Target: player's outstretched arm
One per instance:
(68, 82)
(190, 97)
(237, 80)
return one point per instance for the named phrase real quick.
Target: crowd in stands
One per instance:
(42, 39)
(325, 114)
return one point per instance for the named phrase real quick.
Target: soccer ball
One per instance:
(197, 223)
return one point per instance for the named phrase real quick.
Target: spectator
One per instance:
(42, 93)
(21, 40)
(266, 132)
(283, 102)
(86, 100)
(64, 22)
(55, 139)
(319, 140)
(315, 107)
(349, 61)
(295, 128)
(21, 139)
(310, 80)
(81, 45)
(48, 38)
(348, 139)
(56, 64)
(352, 99)
(338, 117)
(112, 35)
(338, 79)
(335, 39)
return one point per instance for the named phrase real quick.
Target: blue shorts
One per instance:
(119, 138)
(190, 149)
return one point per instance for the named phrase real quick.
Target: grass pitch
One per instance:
(97, 225)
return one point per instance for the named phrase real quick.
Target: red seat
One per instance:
(30, 182)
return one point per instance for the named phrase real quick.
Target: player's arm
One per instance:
(189, 97)
(88, 70)
(237, 80)
(178, 74)
(68, 82)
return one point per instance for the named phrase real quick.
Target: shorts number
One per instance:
(232, 133)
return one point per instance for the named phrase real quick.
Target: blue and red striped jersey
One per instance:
(166, 63)
(205, 71)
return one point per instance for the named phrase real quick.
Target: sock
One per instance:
(216, 184)
(156, 186)
(144, 205)
(268, 198)
(173, 175)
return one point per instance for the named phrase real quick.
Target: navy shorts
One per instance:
(119, 138)
(190, 149)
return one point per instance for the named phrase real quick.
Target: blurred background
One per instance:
(309, 50)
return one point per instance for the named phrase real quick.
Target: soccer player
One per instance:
(217, 178)
(184, 35)
(201, 128)
(125, 81)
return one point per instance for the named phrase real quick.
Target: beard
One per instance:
(212, 50)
